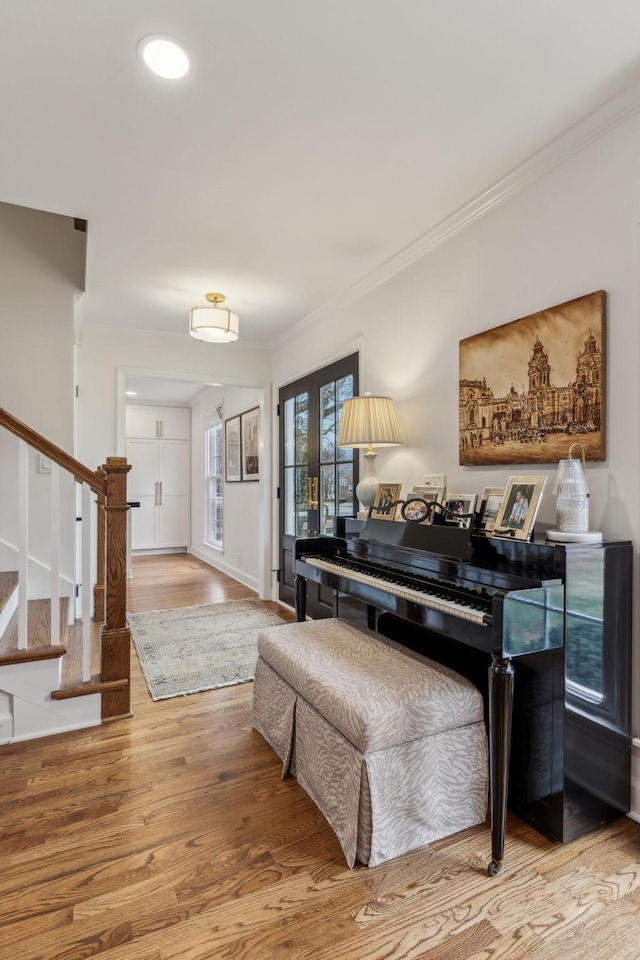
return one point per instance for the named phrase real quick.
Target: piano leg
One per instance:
(301, 598)
(500, 711)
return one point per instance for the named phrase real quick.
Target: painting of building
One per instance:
(532, 387)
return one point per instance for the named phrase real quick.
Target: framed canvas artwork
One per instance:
(250, 433)
(232, 467)
(530, 388)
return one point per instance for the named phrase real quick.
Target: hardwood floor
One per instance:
(171, 835)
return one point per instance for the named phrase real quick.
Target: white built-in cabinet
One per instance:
(158, 449)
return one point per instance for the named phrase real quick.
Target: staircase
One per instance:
(32, 679)
(57, 672)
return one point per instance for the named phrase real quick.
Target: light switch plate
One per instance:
(435, 480)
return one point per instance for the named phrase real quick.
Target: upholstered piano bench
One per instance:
(390, 746)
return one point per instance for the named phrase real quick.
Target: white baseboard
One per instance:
(51, 732)
(219, 564)
(157, 551)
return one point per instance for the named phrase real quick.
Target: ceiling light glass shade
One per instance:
(214, 324)
(367, 422)
(164, 57)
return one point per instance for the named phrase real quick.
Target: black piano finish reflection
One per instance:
(552, 622)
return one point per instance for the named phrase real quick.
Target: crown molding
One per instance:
(596, 124)
(121, 331)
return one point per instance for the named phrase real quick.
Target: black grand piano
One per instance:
(544, 629)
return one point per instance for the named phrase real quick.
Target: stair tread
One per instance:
(38, 627)
(8, 584)
(72, 662)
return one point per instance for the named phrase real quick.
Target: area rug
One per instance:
(189, 649)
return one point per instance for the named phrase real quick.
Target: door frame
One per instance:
(319, 375)
(267, 491)
(356, 345)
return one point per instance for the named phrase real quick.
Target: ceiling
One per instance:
(308, 144)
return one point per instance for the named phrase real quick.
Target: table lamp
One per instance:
(367, 422)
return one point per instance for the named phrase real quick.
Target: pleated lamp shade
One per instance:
(367, 422)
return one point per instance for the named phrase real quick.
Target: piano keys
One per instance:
(427, 592)
(551, 622)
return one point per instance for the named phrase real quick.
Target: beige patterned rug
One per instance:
(185, 650)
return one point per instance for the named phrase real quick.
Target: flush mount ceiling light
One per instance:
(214, 324)
(163, 56)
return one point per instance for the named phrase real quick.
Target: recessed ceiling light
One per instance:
(131, 393)
(163, 56)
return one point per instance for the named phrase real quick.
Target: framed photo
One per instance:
(232, 471)
(460, 504)
(430, 493)
(386, 494)
(489, 506)
(415, 509)
(250, 434)
(519, 508)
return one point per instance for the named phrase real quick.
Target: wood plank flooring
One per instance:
(171, 835)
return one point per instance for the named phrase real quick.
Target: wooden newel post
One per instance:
(116, 637)
(99, 586)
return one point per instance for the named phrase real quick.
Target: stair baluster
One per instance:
(23, 543)
(109, 483)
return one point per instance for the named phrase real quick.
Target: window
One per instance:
(214, 530)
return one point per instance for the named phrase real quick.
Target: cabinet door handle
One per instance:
(161, 425)
(160, 493)
(155, 494)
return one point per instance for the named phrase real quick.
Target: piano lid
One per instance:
(447, 540)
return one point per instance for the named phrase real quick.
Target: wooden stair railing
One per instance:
(109, 483)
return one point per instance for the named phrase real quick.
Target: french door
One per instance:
(317, 478)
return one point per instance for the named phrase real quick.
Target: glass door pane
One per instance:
(295, 455)
(336, 464)
(317, 479)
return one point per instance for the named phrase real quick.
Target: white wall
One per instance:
(242, 550)
(42, 260)
(569, 232)
(107, 350)
(104, 358)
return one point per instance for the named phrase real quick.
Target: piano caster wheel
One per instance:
(494, 868)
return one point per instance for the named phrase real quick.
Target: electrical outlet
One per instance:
(435, 480)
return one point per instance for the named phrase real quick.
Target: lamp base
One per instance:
(368, 487)
(592, 536)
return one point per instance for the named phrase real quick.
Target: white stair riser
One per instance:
(34, 713)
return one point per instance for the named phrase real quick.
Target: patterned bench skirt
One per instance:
(389, 745)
